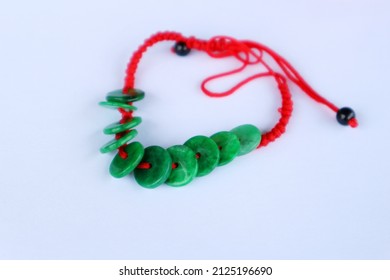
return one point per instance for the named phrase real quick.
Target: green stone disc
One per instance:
(228, 145)
(121, 167)
(119, 127)
(186, 166)
(160, 167)
(131, 96)
(115, 144)
(249, 137)
(116, 105)
(207, 153)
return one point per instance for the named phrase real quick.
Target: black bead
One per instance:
(344, 115)
(181, 49)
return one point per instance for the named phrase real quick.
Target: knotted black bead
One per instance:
(180, 48)
(344, 115)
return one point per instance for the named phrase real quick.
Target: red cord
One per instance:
(246, 52)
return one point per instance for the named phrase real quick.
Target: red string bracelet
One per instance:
(180, 164)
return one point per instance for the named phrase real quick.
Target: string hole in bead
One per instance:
(175, 165)
(144, 165)
(220, 147)
(123, 155)
(197, 155)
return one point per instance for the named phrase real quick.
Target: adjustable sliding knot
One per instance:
(220, 47)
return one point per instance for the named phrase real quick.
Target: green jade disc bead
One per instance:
(160, 167)
(228, 145)
(116, 105)
(249, 137)
(132, 96)
(120, 167)
(186, 166)
(207, 151)
(118, 127)
(115, 144)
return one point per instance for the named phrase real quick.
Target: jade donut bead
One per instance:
(119, 127)
(228, 145)
(186, 166)
(249, 137)
(160, 167)
(207, 153)
(131, 96)
(120, 167)
(116, 105)
(115, 144)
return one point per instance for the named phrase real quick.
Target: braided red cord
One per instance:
(133, 64)
(248, 53)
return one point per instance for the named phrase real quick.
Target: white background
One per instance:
(319, 192)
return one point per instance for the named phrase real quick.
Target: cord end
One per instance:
(353, 123)
(346, 116)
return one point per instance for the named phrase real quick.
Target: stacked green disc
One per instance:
(121, 166)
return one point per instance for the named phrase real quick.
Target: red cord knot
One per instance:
(223, 46)
(219, 45)
(194, 43)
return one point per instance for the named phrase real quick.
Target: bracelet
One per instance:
(180, 164)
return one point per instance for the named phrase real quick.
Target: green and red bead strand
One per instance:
(200, 155)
